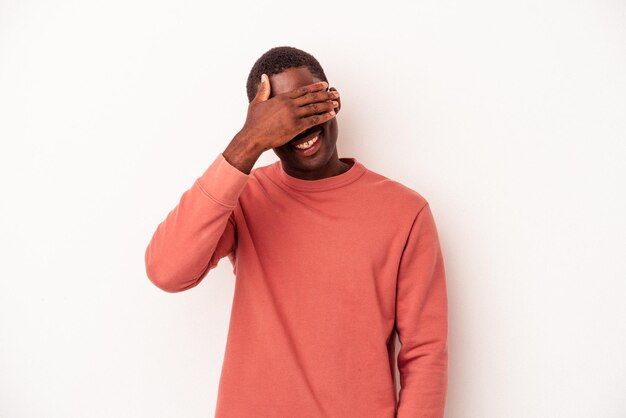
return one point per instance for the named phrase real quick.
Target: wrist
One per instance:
(243, 151)
(249, 142)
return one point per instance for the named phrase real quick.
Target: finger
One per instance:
(300, 91)
(338, 101)
(263, 89)
(317, 119)
(317, 96)
(315, 108)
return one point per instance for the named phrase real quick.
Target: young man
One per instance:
(330, 260)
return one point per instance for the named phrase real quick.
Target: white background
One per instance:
(509, 117)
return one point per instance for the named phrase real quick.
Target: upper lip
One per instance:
(306, 138)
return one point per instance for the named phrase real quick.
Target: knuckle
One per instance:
(288, 104)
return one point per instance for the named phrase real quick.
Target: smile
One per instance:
(308, 144)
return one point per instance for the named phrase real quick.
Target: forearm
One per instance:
(243, 151)
(423, 379)
(423, 361)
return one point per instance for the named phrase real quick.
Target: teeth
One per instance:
(307, 144)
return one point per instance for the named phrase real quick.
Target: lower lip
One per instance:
(310, 151)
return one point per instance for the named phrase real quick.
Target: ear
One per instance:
(338, 100)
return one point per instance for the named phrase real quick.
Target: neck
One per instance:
(334, 167)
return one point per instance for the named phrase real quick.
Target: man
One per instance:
(330, 260)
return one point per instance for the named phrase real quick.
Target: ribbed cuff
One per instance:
(223, 182)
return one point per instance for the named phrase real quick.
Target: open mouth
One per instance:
(306, 143)
(305, 140)
(310, 147)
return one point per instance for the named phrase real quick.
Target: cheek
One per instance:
(330, 130)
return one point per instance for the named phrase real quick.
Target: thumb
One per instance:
(263, 89)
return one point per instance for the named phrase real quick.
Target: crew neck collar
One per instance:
(354, 172)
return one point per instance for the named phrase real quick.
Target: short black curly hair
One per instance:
(278, 59)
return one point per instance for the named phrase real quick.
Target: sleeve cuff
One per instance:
(223, 182)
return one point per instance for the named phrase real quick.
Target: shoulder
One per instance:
(262, 182)
(260, 175)
(395, 193)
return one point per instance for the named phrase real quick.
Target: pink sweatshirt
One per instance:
(325, 271)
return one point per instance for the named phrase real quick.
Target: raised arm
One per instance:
(422, 323)
(199, 231)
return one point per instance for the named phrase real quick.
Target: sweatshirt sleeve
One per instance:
(422, 322)
(199, 231)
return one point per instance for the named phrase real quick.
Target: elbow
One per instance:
(161, 276)
(171, 274)
(161, 279)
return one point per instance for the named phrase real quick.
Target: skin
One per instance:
(286, 110)
(325, 162)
